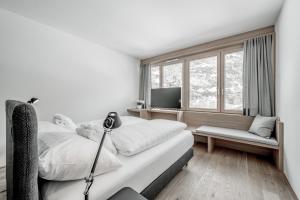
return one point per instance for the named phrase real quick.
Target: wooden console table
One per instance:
(157, 113)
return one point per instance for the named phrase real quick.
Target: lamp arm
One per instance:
(90, 179)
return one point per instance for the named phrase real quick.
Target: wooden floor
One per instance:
(227, 174)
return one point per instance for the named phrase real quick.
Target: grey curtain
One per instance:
(258, 81)
(145, 84)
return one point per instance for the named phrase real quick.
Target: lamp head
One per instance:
(112, 121)
(33, 100)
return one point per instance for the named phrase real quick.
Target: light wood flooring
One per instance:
(227, 175)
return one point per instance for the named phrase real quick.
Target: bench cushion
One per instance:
(236, 134)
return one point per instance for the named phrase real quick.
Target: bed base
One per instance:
(151, 191)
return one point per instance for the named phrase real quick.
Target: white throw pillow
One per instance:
(66, 156)
(263, 126)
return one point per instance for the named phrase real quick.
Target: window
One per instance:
(155, 77)
(166, 75)
(172, 75)
(216, 81)
(203, 83)
(233, 81)
(211, 81)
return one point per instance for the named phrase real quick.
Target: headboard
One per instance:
(21, 151)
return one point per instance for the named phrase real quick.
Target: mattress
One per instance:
(137, 172)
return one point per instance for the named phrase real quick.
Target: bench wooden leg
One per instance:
(278, 154)
(210, 144)
(278, 159)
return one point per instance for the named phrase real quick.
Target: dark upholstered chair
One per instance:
(21, 151)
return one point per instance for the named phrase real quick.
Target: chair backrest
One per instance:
(21, 151)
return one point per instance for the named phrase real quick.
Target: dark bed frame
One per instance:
(22, 156)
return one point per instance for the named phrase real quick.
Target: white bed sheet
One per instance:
(136, 172)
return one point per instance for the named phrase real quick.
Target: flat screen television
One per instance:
(166, 97)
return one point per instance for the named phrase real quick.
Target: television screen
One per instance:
(166, 98)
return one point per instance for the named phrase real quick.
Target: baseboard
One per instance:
(294, 195)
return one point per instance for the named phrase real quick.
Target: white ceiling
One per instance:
(145, 28)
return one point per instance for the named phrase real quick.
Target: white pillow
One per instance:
(263, 126)
(66, 156)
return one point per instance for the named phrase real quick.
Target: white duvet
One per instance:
(135, 138)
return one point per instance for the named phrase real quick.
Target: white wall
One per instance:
(288, 87)
(69, 74)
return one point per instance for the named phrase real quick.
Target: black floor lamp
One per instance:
(112, 121)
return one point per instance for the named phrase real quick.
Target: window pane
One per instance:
(172, 75)
(233, 81)
(203, 83)
(155, 73)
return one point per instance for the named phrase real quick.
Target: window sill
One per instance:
(213, 111)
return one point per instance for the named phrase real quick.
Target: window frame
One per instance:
(222, 100)
(161, 65)
(159, 68)
(202, 56)
(172, 62)
(185, 89)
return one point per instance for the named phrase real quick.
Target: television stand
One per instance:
(157, 113)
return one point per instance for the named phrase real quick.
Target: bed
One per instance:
(147, 172)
